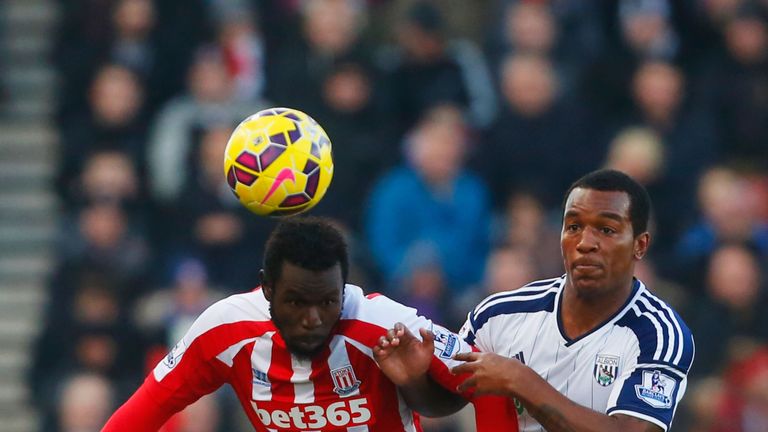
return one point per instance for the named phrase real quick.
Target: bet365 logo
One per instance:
(315, 417)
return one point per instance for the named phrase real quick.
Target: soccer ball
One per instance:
(278, 162)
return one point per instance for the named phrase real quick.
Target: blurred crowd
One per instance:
(456, 126)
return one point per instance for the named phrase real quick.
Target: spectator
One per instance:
(526, 225)
(114, 122)
(210, 101)
(85, 403)
(731, 308)
(211, 223)
(728, 214)
(243, 49)
(351, 115)
(741, 107)
(331, 32)
(690, 143)
(428, 69)
(447, 206)
(538, 142)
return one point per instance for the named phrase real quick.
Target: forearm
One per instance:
(557, 413)
(139, 414)
(430, 399)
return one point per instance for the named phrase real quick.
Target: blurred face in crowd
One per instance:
(598, 244)
(508, 269)
(134, 19)
(747, 39)
(525, 218)
(86, 402)
(727, 205)
(720, 10)
(305, 306)
(347, 90)
(115, 96)
(733, 277)
(638, 153)
(528, 84)
(109, 176)
(103, 226)
(530, 28)
(658, 91)
(644, 30)
(209, 81)
(437, 146)
(331, 26)
(201, 416)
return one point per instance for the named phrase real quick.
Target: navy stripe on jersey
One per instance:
(542, 301)
(530, 289)
(683, 350)
(663, 338)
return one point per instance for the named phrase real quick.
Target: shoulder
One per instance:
(376, 309)
(662, 336)
(235, 319)
(537, 296)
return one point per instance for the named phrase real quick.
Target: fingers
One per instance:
(428, 338)
(464, 368)
(467, 384)
(467, 356)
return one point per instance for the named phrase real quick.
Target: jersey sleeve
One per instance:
(197, 365)
(385, 313)
(469, 333)
(651, 388)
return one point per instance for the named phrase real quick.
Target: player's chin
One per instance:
(306, 348)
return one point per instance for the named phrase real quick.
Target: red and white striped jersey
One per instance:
(235, 342)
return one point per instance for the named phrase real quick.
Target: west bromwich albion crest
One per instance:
(606, 369)
(344, 380)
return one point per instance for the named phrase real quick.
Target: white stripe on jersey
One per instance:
(239, 307)
(303, 387)
(363, 349)
(339, 358)
(669, 341)
(406, 415)
(675, 323)
(228, 355)
(261, 358)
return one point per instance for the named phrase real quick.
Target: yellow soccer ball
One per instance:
(278, 162)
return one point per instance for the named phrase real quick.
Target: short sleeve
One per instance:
(385, 312)
(652, 389)
(203, 359)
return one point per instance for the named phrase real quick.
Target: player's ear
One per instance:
(265, 285)
(642, 242)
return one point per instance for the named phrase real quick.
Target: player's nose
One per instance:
(311, 318)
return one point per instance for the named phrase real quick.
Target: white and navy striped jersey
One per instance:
(635, 363)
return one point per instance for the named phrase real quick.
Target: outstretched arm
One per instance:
(405, 360)
(493, 374)
(141, 413)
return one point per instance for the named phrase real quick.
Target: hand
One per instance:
(489, 373)
(402, 357)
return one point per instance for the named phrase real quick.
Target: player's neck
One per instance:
(582, 313)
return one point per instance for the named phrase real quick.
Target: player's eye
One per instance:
(608, 230)
(329, 302)
(571, 228)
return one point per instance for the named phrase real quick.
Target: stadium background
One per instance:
(456, 127)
